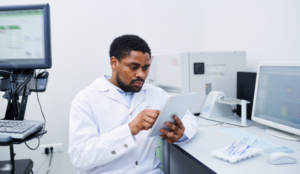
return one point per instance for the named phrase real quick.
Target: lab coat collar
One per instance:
(103, 85)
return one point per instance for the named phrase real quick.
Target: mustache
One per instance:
(139, 79)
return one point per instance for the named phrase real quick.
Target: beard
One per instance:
(128, 88)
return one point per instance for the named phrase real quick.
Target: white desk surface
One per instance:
(209, 138)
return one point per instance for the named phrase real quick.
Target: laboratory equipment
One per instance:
(245, 90)
(280, 158)
(218, 108)
(277, 98)
(202, 72)
(237, 151)
(176, 105)
(19, 129)
(25, 37)
(25, 45)
(267, 146)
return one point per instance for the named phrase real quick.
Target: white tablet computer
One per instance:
(176, 105)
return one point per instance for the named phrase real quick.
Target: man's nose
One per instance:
(140, 73)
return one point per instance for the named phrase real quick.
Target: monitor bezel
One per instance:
(47, 37)
(268, 122)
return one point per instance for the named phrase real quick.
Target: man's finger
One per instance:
(152, 114)
(154, 111)
(149, 120)
(178, 122)
(147, 125)
(168, 139)
(170, 135)
(172, 126)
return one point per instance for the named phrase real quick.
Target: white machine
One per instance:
(202, 72)
(218, 108)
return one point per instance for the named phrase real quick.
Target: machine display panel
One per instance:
(25, 37)
(278, 95)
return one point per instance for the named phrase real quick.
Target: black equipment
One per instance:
(245, 90)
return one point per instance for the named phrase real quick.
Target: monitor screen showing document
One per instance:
(22, 36)
(278, 95)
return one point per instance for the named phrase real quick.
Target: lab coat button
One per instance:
(125, 145)
(113, 152)
(136, 163)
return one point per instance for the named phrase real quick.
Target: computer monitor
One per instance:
(25, 37)
(277, 98)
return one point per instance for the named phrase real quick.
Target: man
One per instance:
(110, 119)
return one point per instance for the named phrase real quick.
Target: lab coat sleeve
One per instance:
(89, 149)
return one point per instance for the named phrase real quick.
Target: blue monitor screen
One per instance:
(278, 95)
(24, 39)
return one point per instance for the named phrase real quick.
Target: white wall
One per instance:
(268, 30)
(83, 30)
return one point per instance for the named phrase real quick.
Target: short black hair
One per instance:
(123, 45)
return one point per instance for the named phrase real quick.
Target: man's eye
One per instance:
(133, 67)
(145, 68)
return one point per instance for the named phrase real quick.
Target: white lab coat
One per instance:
(100, 138)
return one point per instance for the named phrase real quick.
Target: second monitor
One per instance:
(277, 98)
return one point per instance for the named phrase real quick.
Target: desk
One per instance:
(194, 156)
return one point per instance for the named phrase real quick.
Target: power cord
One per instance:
(41, 112)
(222, 124)
(47, 153)
(37, 96)
(210, 124)
(24, 83)
(36, 146)
(255, 124)
(51, 154)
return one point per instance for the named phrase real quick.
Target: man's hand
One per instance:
(143, 121)
(176, 132)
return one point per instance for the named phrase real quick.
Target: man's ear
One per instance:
(114, 62)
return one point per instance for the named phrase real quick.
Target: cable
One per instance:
(5, 71)
(240, 126)
(25, 82)
(36, 147)
(41, 164)
(54, 161)
(37, 95)
(20, 75)
(42, 114)
(211, 124)
(51, 150)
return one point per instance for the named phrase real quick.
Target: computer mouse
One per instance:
(280, 158)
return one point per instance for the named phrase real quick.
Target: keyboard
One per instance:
(20, 129)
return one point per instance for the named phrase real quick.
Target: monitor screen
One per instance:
(24, 38)
(278, 95)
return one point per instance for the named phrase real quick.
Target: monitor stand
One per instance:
(282, 134)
